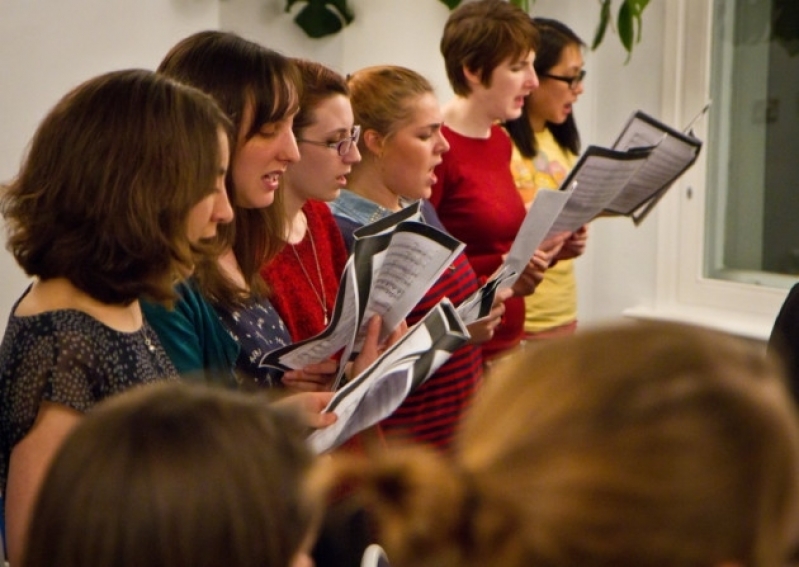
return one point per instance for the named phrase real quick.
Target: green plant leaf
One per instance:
(320, 18)
(602, 26)
(625, 26)
(785, 25)
(637, 7)
(451, 4)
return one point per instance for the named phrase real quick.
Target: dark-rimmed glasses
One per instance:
(343, 146)
(573, 82)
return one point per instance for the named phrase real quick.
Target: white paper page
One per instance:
(542, 214)
(412, 263)
(478, 305)
(340, 331)
(380, 389)
(600, 175)
(410, 267)
(672, 153)
(667, 161)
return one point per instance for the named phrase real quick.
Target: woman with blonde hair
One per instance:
(401, 144)
(649, 444)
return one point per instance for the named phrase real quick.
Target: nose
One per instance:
(532, 79)
(442, 145)
(223, 210)
(289, 152)
(353, 155)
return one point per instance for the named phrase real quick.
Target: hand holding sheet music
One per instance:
(374, 394)
(628, 179)
(394, 263)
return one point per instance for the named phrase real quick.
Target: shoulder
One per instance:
(431, 216)
(347, 227)
(317, 211)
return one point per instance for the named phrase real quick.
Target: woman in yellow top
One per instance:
(546, 145)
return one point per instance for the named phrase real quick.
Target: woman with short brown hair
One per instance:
(123, 178)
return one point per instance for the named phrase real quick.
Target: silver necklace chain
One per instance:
(323, 297)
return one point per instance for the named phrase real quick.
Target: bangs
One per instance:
(276, 96)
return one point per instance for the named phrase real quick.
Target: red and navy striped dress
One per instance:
(431, 413)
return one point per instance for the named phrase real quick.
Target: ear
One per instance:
(473, 77)
(373, 141)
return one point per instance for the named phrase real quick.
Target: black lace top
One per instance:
(70, 358)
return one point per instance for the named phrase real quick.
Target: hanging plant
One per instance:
(629, 21)
(322, 17)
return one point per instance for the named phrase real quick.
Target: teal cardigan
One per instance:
(194, 338)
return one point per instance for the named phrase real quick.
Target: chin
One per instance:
(514, 114)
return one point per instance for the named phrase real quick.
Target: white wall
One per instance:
(50, 45)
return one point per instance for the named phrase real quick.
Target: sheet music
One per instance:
(379, 390)
(600, 174)
(478, 305)
(672, 153)
(413, 258)
(394, 262)
(541, 216)
(340, 331)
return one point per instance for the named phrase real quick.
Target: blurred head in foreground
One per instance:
(174, 475)
(642, 445)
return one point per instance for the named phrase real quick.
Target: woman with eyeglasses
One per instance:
(224, 321)
(304, 276)
(546, 145)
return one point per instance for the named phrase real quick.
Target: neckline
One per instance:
(321, 295)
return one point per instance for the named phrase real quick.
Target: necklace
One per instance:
(322, 299)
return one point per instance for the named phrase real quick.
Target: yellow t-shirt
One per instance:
(554, 302)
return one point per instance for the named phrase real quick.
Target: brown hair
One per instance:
(480, 36)
(382, 98)
(175, 475)
(103, 195)
(240, 75)
(642, 445)
(318, 83)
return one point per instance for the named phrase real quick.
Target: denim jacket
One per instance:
(352, 211)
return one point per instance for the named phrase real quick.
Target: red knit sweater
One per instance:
(478, 203)
(296, 294)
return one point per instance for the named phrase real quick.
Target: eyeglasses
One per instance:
(574, 82)
(342, 147)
